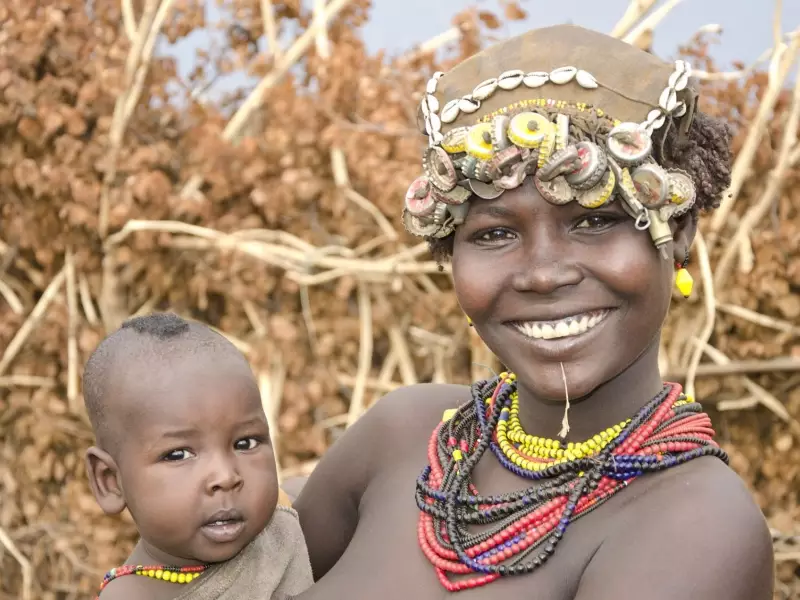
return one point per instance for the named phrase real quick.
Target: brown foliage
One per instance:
(63, 73)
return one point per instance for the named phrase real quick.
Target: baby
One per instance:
(183, 444)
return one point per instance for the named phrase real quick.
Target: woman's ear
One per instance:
(105, 481)
(684, 228)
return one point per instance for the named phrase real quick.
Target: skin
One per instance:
(692, 532)
(195, 442)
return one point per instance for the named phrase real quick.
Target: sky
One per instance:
(398, 25)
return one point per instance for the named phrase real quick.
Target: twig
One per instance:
(382, 387)
(308, 318)
(72, 333)
(321, 42)
(86, 300)
(432, 45)
(763, 396)
(271, 387)
(758, 318)
(256, 98)
(709, 301)
(24, 563)
(12, 381)
(342, 179)
(651, 22)
(364, 354)
(19, 339)
(384, 383)
(782, 60)
(401, 352)
(771, 365)
(13, 300)
(788, 157)
(635, 11)
(270, 28)
(129, 20)
(136, 68)
(255, 321)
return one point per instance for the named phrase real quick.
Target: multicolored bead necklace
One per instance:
(162, 572)
(526, 526)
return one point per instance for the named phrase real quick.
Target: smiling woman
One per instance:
(564, 174)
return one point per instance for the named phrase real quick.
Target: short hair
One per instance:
(704, 153)
(159, 336)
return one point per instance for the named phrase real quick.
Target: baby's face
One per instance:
(197, 468)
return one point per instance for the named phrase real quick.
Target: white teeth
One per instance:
(562, 328)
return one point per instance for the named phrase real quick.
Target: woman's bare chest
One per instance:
(384, 559)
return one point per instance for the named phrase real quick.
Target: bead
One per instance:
(684, 282)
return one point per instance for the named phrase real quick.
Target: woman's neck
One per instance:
(609, 404)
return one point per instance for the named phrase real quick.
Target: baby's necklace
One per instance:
(163, 572)
(526, 526)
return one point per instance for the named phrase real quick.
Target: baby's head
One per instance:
(182, 439)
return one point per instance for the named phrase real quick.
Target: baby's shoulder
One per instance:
(133, 587)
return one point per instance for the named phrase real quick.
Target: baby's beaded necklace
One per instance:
(163, 572)
(527, 525)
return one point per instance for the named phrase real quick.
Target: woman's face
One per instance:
(546, 285)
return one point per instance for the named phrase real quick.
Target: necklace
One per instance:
(521, 530)
(162, 572)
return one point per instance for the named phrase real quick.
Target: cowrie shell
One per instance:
(450, 111)
(680, 110)
(510, 80)
(431, 102)
(468, 104)
(433, 123)
(484, 89)
(586, 80)
(563, 75)
(668, 99)
(536, 79)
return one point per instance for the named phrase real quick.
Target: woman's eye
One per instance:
(595, 222)
(246, 444)
(177, 455)
(491, 236)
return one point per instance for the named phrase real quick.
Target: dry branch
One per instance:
(18, 341)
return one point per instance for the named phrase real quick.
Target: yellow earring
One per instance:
(683, 279)
(469, 322)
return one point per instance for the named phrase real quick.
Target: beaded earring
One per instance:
(469, 322)
(683, 279)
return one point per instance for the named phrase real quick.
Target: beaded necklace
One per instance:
(526, 526)
(162, 572)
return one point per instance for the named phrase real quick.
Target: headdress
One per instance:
(571, 108)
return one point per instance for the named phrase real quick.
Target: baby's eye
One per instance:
(177, 455)
(249, 443)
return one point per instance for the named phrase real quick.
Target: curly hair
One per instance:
(704, 153)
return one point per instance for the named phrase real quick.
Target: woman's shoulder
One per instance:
(419, 407)
(703, 502)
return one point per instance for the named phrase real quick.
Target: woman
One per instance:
(564, 174)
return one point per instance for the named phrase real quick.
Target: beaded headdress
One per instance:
(581, 125)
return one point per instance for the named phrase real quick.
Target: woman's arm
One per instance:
(704, 539)
(328, 504)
